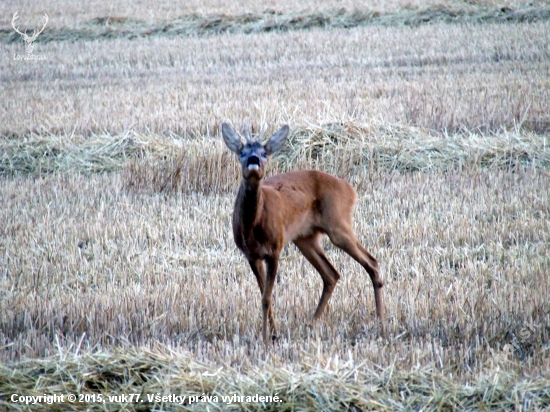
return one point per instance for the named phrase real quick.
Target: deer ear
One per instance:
(277, 141)
(232, 140)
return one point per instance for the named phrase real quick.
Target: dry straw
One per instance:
(47, 153)
(203, 164)
(143, 254)
(312, 384)
(103, 257)
(109, 27)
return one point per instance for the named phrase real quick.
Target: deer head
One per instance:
(253, 155)
(29, 40)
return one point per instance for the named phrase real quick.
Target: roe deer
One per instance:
(298, 206)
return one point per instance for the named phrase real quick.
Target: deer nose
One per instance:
(253, 160)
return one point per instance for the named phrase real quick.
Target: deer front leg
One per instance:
(258, 269)
(272, 264)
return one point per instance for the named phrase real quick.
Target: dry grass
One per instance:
(447, 78)
(70, 15)
(334, 383)
(465, 262)
(129, 281)
(155, 162)
(195, 24)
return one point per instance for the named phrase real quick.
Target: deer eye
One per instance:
(264, 155)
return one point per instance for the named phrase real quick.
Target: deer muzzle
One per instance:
(253, 163)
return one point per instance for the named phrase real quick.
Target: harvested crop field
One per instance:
(120, 282)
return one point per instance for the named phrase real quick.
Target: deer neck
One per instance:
(250, 202)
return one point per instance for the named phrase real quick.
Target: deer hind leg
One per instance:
(313, 251)
(258, 269)
(345, 239)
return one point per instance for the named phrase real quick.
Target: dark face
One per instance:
(253, 158)
(253, 155)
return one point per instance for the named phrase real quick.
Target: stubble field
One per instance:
(118, 271)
